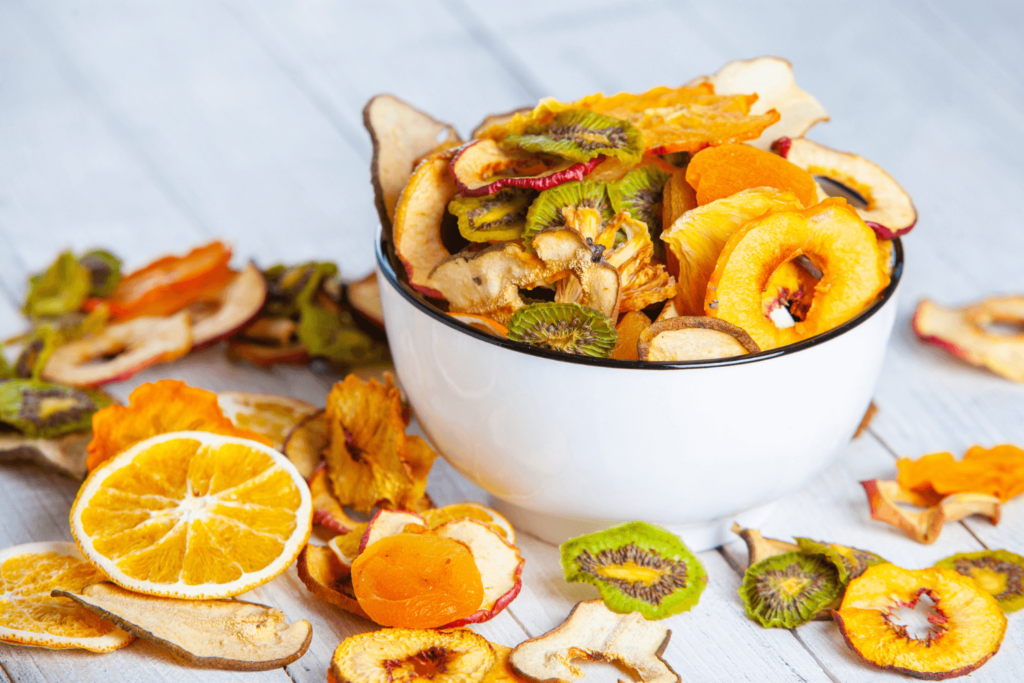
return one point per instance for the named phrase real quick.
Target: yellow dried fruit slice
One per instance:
(29, 615)
(193, 515)
(449, 513)
(268, 414)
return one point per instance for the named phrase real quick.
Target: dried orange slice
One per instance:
(193, 515)
(29, 615)
(268, 414)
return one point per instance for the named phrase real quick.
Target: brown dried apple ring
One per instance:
(889, 211)
(832, 234)
(961, 332)
(693, 338)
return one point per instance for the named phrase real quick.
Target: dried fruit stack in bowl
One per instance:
(574, 225)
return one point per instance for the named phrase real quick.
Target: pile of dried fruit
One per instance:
(92, 326)
(669, 202)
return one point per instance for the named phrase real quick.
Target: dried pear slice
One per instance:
(926, 525)
(592, 632)
(483, 167)
(44, 410)
(403, 654)
(66, 454)
(961, 332)
(965, 633)
(493, 218)
(401, 135)
(224, 634)
(849, 562)
(787, 590)
(637, 567)
(581, 135)
(694, 338)
(999, 572)
(566, 327)
(328, 578)
(548, 210)
(594, 283)
(761, 548)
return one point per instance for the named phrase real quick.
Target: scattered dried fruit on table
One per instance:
(305, 443)
(29, 615)
(567, 327)
(925, 526)
(157, 408)
(963, 332)
(328, 578)
(435, 517)
(222, 634)
(965, 632)
(364, 298)
(594, 633)
(720, 172)
(637, 567)
(228, 310)
(849, 562)
(997, 471)
(61, 289)
(44, 410)
(694, 338)
(66, 454)
(865, 421)
(327, 511)
(275, 417)
(193, 515)
(787, 590)
(627, 333)
(400, 654)
(999, 572)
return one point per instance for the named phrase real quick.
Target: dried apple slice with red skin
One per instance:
(477, 166)
(135, 345)
(327, 511)
(889, 211)
(961, 333)
(388, 523)
(305, 444)
(328, 578)
(364, 297)
(230, 310)
(693, 338)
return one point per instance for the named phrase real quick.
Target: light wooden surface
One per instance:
(151, 127)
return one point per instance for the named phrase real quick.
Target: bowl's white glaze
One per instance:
(569, 447)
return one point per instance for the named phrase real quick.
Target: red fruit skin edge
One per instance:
(500, 604)
(574, 172)
(931, 340)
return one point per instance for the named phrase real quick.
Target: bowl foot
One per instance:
(557, 529)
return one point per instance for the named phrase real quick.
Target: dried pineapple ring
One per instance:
(833, 234)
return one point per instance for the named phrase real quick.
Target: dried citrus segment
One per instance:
(723, 171)
(272, 416)
(401, 655)
(170, 284)
(193, 515)
(417, 581)
(29, 615)
(997, 471)
(482, 323)
(157, 408)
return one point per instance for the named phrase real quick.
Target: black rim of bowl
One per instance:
(387, 261)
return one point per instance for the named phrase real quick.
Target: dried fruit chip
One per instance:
(761, 548)
(482, 323)
(581, 135)
(193, 515)
(223, 634)
(628, 332)
(104, 271)
(29, 615)
(865, 421)
(637, 567)
(435, 517)
(787, 590)
(693, 338)
(364, 298)
(850, 562)
(962, 332)
(328, 578)
(275, 417)
(592, 632)
(566, 327)
(926, 525)
(399, 654)
(41, 409)
(306, 443)
(997, 471)
(61, 289)
(483, 167)
(494, 217)
(157, 408)
(999, 572)
(719, 172)
(66, 454)
(966, 631)
(593, 284)
(643, 281)
(327, 511)
(228, 310)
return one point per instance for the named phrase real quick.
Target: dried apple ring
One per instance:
(833, 235)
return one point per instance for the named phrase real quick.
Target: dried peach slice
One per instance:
(925, 526)
(832, 234)
(965, 632)
(962, 332)
(693, 338)
(722, 171)
(413, 655)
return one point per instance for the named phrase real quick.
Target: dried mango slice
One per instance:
(722, 171)
(997, 471)
(158, 408)
(962, 332)
(926, 525)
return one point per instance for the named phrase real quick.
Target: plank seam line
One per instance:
(289, 674)
(494, 45)
(521, 625)
(6, 672)
(731, 561)
(832, 677)
(121, 131)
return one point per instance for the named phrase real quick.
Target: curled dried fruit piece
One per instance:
(327, 511)
(643, 281)
(548, 210)
(787, 590)
(66, 454)
(492, 218)
(364, 298)
(592, 632)
(328, 578)
(400, 654)
(230, 309)
(223, 634)
(965, 632)
(997, 471)
(761, 548)
(694, 338)
(999, 572)
(594, 283)
(926, 525)
(569, 328)
(482, 323)
(435, 517)
(483, 167)
(640, 192)
(719, 172)
(962, 332)
(581, 135)
(628, 332)
(44, 410)
(637, 567)
(61, 289)
(850, 562)
(306, 442)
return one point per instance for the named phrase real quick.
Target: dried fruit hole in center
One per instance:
(921, 621)
(789, 292)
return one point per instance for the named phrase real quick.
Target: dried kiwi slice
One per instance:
(581, 135)
(637, 567)
(640, 192)
(41, 409)
(546, 210)
(496, 217)
(788, 590)
(999, 572)
(849, 562)
(104, 271)
(566, 327)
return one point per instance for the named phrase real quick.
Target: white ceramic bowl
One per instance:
(568, 445)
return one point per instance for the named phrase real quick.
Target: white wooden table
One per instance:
(152, 127)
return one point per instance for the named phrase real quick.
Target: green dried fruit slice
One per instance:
(999, 572)
(104, 271)
(41, 409)
(637, 567)
(566, 327)
(788, 590)
(581, 135)
(849, 562)
(63, 288)
(497, 217)
(640, 192)
(546, 210)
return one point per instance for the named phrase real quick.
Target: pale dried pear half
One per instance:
(224, 634)
(761, 548)
(961, 332)
(401, 135)
(924, 526)
(694, 338)
(771, 79)
(66, 454)
(595, 633)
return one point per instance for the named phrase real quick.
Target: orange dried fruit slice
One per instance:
(924, 526)
(268, 414)
(157, 408)
(830, 233)
(29, 615)
(193, 515)
(435, 517)
(413, 656)
(722, 171)
(482, 323)
(306, 442)
(996, 471)
(628, 334)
